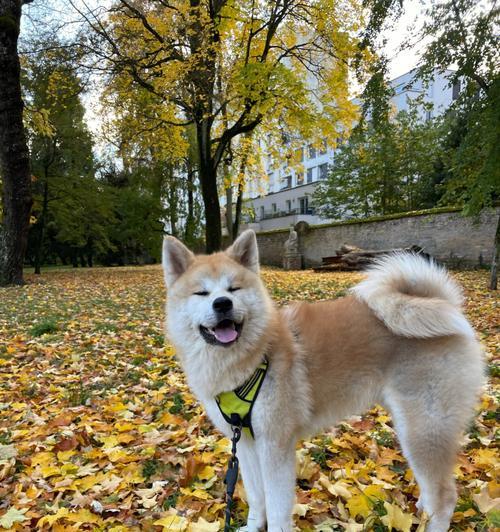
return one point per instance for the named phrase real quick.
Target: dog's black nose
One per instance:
(222, 304)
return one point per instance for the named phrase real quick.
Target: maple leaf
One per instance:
(172, 523)
(7, 452)
(487, 457)
(300, 509)
(338, 489)
(206, 473)
(12, 516)
(52, 518)
(484, 502)
(396, 518)
(362, 504)
(83, 516)
(204, 526)
(305, 466)
(359, 505)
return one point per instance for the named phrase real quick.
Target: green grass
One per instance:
(46, 326)
(178, 405)
(51, 268)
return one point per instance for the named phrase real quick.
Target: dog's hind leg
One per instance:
(430, 448)
(429, 430)
(254, 487)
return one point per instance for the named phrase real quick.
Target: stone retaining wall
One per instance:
(447, 236)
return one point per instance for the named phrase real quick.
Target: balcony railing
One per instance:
(268, 215)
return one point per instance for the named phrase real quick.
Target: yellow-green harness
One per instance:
(236, 406)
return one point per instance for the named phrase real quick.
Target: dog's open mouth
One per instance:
(225, 333)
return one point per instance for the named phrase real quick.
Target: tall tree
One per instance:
(464, 33)
(66, 193)
(251, 59)
(14, 155)
(154, 154)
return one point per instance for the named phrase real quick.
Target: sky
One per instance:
(401, 62)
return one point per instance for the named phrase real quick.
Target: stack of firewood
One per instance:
(353, 258)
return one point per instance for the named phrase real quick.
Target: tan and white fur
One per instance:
(399, 339)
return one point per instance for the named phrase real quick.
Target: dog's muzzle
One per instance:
(225, 333)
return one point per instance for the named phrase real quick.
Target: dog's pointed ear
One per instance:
(176, 259)
(245, 251)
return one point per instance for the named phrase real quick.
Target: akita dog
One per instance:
(399, 339)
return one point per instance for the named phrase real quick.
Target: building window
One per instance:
(455, 91)
(312, 152)
(273, 207)
(322, 149)
(310, 175)
(288, 205)
(262, 213)
(428, 115)
(323, 171)
(287, 182)
(300, 178)
(304, 205)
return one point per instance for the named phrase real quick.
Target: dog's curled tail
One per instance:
(414, 297)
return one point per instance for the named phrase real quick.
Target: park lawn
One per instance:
(99, 432)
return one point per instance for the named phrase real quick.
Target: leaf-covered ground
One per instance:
(98, 430)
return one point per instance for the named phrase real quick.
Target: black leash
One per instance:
(232, 475)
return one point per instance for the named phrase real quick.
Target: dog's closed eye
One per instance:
(233, 288)
(201, 293)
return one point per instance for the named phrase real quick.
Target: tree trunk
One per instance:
(237, 214)
(81, 254)
(239, 198)
(14, 155)
(190, 221)
(90, 251)
(229, 212)
(494, 262)
(173, 209)
(208, 180)
(43, 216)
(203, 39)
(168, 187)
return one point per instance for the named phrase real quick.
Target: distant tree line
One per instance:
(402, 162)
(405, 161)
(85, 210)
(398, 162)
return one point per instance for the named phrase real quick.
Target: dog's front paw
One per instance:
(256, 522)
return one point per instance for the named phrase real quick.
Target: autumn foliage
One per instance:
(99, 432)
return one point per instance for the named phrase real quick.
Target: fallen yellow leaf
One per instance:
(396, 518)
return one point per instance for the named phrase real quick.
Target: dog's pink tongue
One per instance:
(225, 334)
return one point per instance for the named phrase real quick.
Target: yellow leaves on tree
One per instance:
(230, 69)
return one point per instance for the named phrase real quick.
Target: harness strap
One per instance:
(231, 478)
(236, 406)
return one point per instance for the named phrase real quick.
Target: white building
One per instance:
(288, 196)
